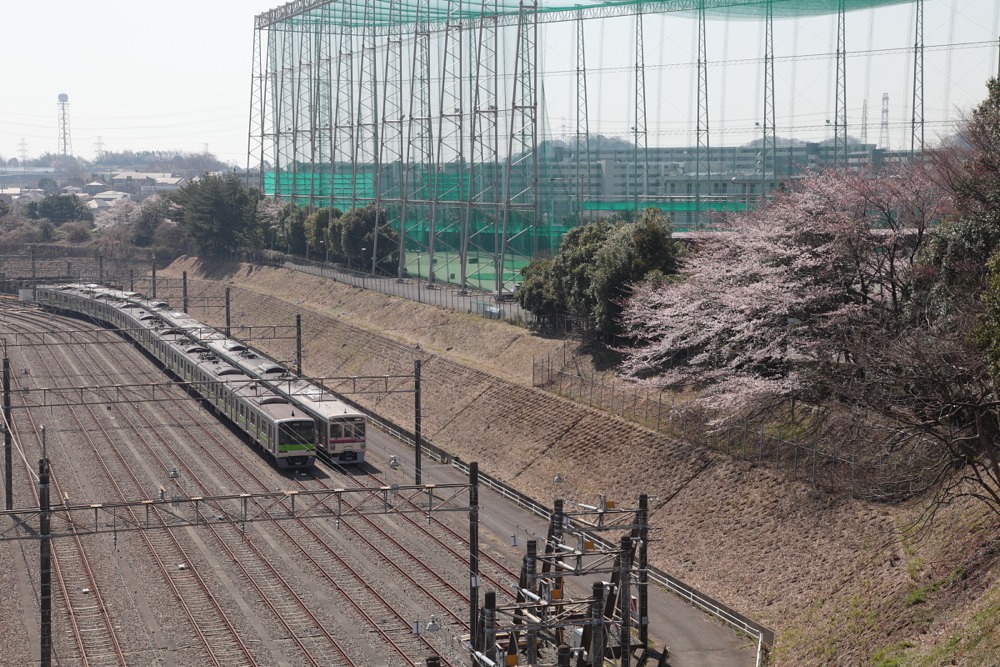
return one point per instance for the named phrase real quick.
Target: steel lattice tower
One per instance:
(582, 149)
(840, 111)
(769, 144)
(449, 187)
(367, 149)
(484, 176)
(704, 167)
(388, 175)
(917, 121)
(420, 146)
(640, 165)
(430, 111)
(521, 177)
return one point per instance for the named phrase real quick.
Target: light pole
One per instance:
(363, 251)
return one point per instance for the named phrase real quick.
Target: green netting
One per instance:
(682, 206)
(305, 187)
(380, 14)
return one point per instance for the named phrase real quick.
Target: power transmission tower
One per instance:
(883, 131)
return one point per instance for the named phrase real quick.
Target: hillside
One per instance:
(841, 581)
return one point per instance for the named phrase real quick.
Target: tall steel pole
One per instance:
(640, 155)
(45, 562)
(840, 111)
(582, 152)
(769, 145)
(473, 553)
(703, 168)
(8, 461)
(417, 424)
(917, 120)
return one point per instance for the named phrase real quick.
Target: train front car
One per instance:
(284, 432)
(342, 434)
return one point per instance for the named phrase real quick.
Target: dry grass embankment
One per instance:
(836, 578)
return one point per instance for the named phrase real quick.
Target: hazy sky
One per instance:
(139, 75)
(176, 75)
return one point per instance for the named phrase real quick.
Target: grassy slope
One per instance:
(838, 579)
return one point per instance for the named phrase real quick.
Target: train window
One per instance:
(298, 432)
(336, 430)
(359, 430)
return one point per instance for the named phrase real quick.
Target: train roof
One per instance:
(180, 328)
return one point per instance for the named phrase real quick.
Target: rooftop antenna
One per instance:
(65, 145)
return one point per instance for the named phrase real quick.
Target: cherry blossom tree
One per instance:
(762, 303)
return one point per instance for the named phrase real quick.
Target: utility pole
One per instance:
(7, 455)
(45, 559)
(416, 421)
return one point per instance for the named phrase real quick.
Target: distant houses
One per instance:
(125, 186)
(141, 184)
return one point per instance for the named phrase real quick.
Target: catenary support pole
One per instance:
(625, 601)
(473, 551)
(45, 560)
(184, 290)
(152, 259)
(644, 569)
(418, 441)
(298, 343)
(229, 314)
(8, 461)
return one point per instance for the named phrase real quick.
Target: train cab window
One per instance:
(359, 430)
(336, 431)
(296, 433)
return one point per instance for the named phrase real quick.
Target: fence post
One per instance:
(659, 410)
(590, 401)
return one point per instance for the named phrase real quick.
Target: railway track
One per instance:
(219, 638)
(312, 547)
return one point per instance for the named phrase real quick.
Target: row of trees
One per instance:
(217, 216)
(873, 293)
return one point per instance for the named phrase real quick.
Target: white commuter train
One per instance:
(286, 416)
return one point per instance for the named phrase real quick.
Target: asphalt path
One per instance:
(695, 639)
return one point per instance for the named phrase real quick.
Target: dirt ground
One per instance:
(841, 581)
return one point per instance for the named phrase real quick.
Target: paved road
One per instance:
(695, 638)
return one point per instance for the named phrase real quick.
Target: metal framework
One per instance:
(599, 541)
(840, 106)
(917, 122)
(429, 111)
(768, 153)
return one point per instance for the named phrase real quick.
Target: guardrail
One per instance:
(726, 614)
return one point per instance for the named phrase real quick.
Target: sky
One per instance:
(176, 76)
(139, 75)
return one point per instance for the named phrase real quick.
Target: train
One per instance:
(255, 393)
